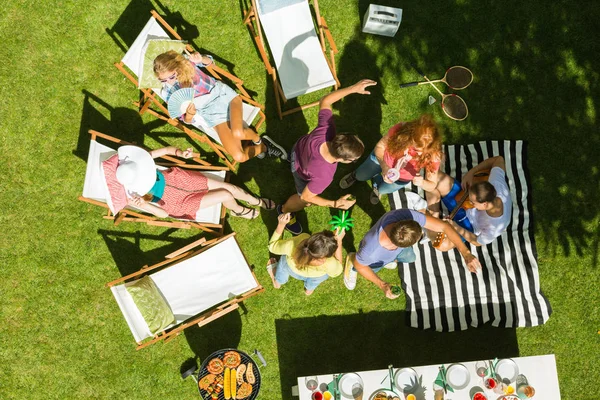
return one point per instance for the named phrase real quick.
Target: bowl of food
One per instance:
(384, 394)
(479, 396)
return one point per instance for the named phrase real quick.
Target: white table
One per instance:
(539, 370)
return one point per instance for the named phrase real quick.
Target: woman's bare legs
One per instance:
(434, 197)
(237, 192)
(222, 195)
(232, 134)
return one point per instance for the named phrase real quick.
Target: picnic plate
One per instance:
(406, 379)
(350, 385)
(507, 369)
(457, 376)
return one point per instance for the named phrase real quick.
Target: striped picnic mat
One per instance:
(440, 292)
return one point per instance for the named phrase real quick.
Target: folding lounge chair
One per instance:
(155, 29)
(95, 190)
(300, 54)
(198, 286)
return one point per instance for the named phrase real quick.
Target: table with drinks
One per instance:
(510, 378)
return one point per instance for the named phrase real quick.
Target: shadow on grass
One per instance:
(126, 250)
(120, 122)
(223, 333)
(534, 80)
(369, 341)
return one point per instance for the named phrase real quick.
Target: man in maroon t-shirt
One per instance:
(314, 158)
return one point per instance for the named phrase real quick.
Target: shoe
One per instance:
(348, 180)
(374, 198)
(350, 274)
(246, 213)
(415, 202)
(273, 149)
(293, 226)
(392, 265)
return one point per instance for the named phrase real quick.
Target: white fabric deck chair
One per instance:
(95, 191)
(298, 52)
(157, 28)
(198, 286)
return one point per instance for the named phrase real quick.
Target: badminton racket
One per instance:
(452, 105)
(456, 78)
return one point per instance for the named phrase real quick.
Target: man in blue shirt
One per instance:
(390, 241)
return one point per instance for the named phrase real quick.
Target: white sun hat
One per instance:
(136, 170)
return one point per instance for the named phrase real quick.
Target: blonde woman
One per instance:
(218, 104)
(309, 258)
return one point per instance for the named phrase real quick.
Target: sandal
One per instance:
(247, 213)
(265, 203)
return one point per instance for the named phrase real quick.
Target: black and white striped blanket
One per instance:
(440, 292)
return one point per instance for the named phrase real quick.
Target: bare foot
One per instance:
(308, 292)
(271, 268)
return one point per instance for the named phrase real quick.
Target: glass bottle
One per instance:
(524, 390)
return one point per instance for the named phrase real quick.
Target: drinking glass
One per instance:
(311, 383)
(490, 383)
(480, 368)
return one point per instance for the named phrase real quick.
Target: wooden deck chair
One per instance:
(157, 28)
(198, 286)
(95, 190)
(304, 62)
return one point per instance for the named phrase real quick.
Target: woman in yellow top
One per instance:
(311, 259)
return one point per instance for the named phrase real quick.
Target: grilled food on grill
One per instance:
(244, 391)
(215, 366)
(240, 373)
(232, 359)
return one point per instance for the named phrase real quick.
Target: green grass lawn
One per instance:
(63, 335)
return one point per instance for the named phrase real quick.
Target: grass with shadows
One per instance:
(63, 335)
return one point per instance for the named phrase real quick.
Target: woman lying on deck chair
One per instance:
(177, 192)
(219, 105)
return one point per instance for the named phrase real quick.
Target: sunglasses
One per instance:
(170, 78)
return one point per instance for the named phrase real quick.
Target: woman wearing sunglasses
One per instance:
(218, 104)
(398, 158)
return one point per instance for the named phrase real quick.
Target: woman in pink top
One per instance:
(399, 157)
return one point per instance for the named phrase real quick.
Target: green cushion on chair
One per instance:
(154, 48)
(151, 303)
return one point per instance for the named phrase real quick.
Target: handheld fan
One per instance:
(179, 102)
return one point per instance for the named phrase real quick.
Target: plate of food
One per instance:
(457, 376)
(406, 379)
(229, 374)
(384, 394)
(507, 369)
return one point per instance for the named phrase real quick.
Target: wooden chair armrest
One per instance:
(200, 242)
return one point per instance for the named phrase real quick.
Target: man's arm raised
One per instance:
(359, 87)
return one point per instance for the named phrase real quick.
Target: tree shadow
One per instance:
(534, 80)
(370, 341)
